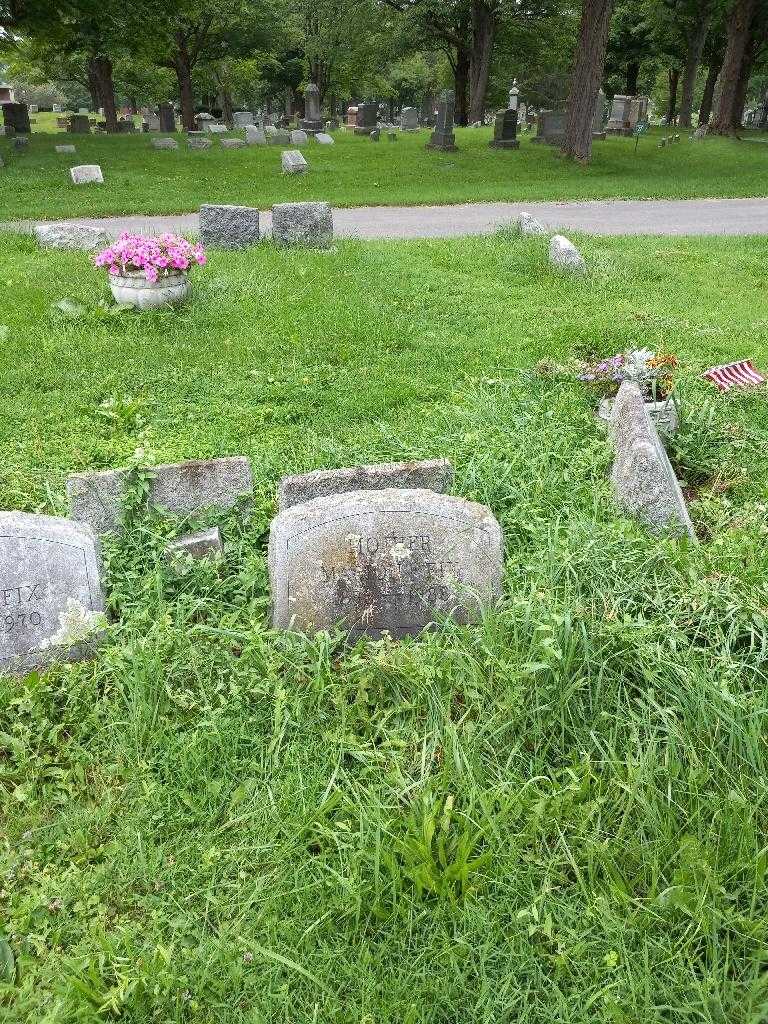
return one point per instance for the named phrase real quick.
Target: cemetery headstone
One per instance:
(203, 546)
(395, 561)
(21, 142)
(428, 474)
(366, 118)
(375, 135)
(16, 116)
(298, 137)
(229, 227)
(550, 127)
(181, 489)
(86, 174)
(505, 130)
(166, 117)
(598, 119)
(293, 162)
(313, 121)
(352, 117)
(214, 128)
(57, 108)
(643, 479)
(78, 124)
(255, 136)
(165, 144)
(442, 137)
(70, 236)
(522, 117)
(324, 139)
(51, 600)
(563, 255)
(232, 144)
(409, 119)
(529, 225)
(309, 224)
(197, 142)
(279, 138)
(242, 118)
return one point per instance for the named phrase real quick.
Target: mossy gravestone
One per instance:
(50, 591)
(395, 561)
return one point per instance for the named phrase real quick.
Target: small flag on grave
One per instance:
(735, 375)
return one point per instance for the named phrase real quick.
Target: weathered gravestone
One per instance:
(428, 474)
(309, 224)
(166, 117)
(280, 137)
(598, 119)
(395, 561)
(165, 144)
(242, 118)
(16, 117)
(87, 174)
(409, 119)
(352, 117)
(312, 121)
(366, 118)
(298, 137)
(79, 124)
(643, 479)
(181, 489)
(442, 137)
(293, 162)
(550, 127)
(214, 128)
(197, 142)
(232, 144)
(563, 255)
(529, 225)
(203, 546)
(255, 136)
(70, 236)
(229, 227)
(324, 139)
(505, 130)
(50, 591)
(626, 111)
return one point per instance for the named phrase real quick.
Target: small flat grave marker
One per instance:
(87, 174)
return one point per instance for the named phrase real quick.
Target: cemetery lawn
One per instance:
(559, 816)
(357, 172)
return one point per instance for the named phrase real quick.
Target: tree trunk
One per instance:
(674, 77)
(226, 107)
(589, 63)
(740, 98)
(101, 69)
(696, 41)
(93, 85)
(633, 72)
(705, 110)
(461, 84)
(484, 18)
(739, 25)
(183, 68)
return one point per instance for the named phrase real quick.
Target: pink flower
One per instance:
(151, 274)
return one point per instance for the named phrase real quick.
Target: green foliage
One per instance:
(557, 816)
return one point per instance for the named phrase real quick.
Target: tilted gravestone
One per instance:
(312, 121)
(87, 174)
(70, 236)
(529, 225)
(324, 139)
(203, 546)
(196, 142)
(50, 591)
(442, 137)
(165, 144)
(181, 489)
(643, 480)
(307, 224)
(365, 118)
(255, 136)
(428, 474)
(394, 561)
(16, 117)
(229, 227)
(293, 162)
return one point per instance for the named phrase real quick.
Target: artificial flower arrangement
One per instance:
(654, 373)
(166, 256)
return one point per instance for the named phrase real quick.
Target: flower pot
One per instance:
(663, 413)
(133, 289)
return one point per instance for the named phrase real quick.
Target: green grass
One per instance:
(357, 172)
(213, 822)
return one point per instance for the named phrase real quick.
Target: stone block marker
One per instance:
(205, 545)
(229, 227)
(87, 174)
(375, 561)
(302, 224)
(70, 236)
(165, 144)
(51, 599)
(293, 162)
(429, 474)
(65, 149)
(232, 144)
(324, 139)
(528, 225)
(181, 489)
(255, 136)
(563, 255)
(299, 137)
(643, 480)
(198, 143)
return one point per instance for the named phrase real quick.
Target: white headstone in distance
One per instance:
(87, 174)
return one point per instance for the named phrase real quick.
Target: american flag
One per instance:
(735, 375)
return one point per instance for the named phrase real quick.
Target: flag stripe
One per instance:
(731, 375)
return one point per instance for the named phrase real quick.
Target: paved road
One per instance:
(600, 217)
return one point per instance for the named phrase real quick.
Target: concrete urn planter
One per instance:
(133, 289)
